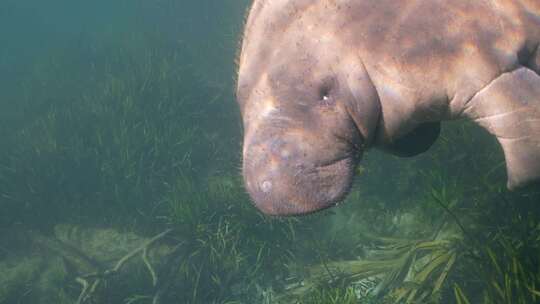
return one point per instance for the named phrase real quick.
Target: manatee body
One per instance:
(321, 81)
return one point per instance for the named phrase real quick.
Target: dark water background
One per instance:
(118, 124)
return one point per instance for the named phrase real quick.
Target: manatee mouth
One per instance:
(288, 189)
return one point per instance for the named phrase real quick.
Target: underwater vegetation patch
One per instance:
(108, 140)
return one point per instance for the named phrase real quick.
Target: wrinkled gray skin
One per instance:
(321, 81)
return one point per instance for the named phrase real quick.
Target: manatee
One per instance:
(321, 81)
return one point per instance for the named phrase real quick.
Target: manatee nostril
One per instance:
(266, 186)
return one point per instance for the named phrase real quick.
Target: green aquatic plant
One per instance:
(230, 249)
(509, 271)
(408, 271)
(92, 283)
(512, 282)
(328, 295)
(106, 139)
(498, 255)
(128, 143)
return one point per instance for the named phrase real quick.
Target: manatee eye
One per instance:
(324, 93)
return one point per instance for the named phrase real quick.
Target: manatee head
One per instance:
(308, 106)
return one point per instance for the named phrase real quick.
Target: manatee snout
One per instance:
(308, 105)
(285, 177)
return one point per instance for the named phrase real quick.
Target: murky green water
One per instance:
(119, 180)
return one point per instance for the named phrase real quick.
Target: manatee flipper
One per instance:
(534, 61)
(509, 108)
(415, 142)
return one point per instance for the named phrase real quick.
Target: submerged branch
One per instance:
(101, 276)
